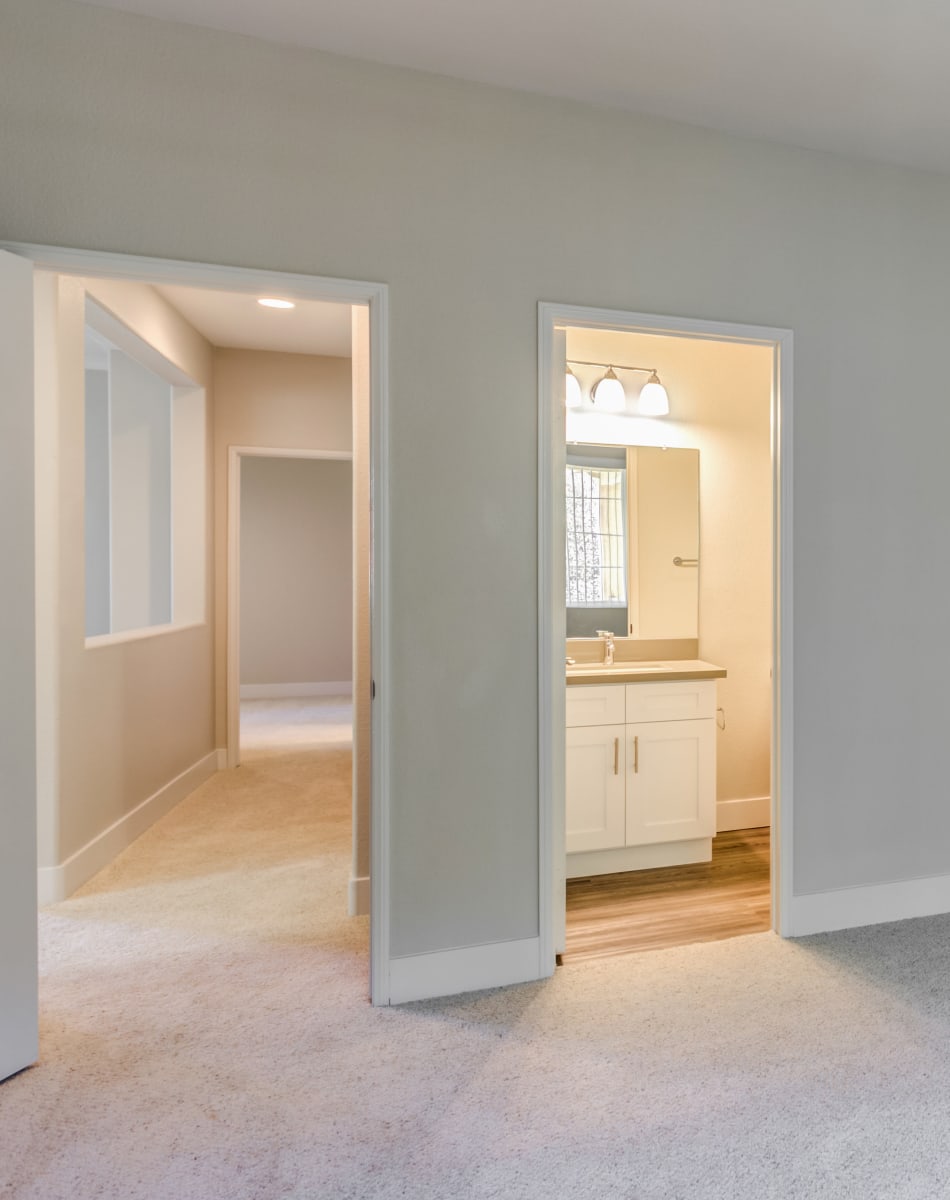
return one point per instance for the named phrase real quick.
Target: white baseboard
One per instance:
(222, 757)
(582, 863)
(743, 814)
(56, 883)
(294, 691)
(472, 968)
(359, 895)
(872, 904)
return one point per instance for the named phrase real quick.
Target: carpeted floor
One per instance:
(206, 1035)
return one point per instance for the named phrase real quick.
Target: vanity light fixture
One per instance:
(653, 400)
(608, 392)
(273, 302)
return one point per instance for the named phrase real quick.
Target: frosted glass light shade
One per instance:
(608, 394)
(573, 396)
(653, 400)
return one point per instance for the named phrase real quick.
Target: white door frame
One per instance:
(19, 976)
(235, 454)
(375, 296)
(552, 319)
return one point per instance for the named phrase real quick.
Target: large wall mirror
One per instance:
(632, 541)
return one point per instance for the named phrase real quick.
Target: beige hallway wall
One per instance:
(116, 722)
(296, 571)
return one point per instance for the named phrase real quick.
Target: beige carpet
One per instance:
(206, 1034)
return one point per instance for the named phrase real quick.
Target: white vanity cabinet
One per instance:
(640, 774)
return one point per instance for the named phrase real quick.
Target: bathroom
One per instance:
(693, 488)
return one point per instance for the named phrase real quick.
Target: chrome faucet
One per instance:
(608, 646)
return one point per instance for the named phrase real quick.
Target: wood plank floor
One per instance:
(673, 906)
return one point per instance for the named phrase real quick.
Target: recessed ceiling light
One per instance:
(270, 302)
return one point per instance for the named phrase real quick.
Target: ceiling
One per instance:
(236, 320)
(863, 77)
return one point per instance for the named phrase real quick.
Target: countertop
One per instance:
(643, 672)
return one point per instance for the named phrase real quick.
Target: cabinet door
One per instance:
(595, 788)
(671, 781)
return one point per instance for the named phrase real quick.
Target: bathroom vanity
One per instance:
(641, 765)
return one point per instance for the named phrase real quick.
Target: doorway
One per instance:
(288, 519)
(369, 303)
(584, 327)
(302, 661)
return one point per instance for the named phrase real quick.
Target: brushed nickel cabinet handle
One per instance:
(616, 756)
(636, 754)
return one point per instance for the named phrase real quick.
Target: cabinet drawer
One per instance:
(595, 705)
(686, 700)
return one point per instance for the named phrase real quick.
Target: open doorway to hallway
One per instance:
(84, 799)
(247, 376)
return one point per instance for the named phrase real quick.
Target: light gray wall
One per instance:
(296, 570)
(473, 204)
